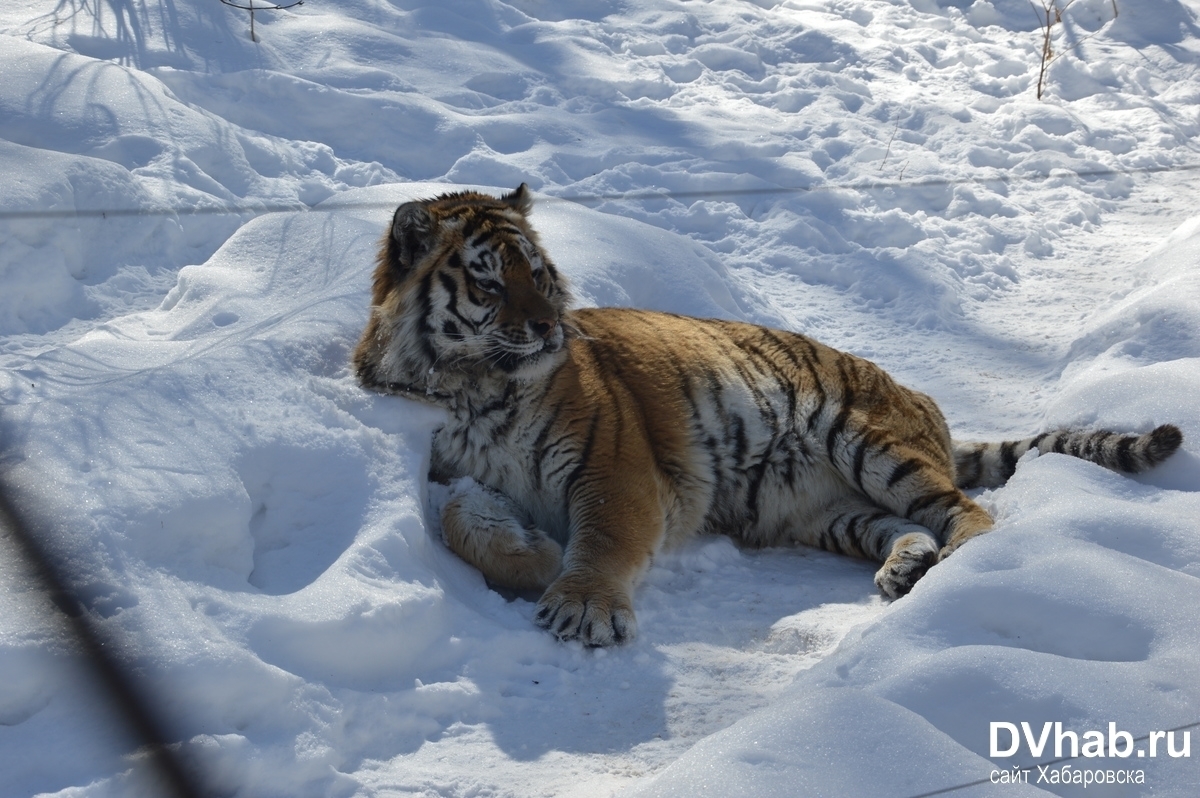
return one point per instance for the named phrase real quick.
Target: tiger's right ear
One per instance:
(520, 199)
(413, 230)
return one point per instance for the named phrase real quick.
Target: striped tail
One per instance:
(988, 465)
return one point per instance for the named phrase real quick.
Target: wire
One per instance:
(977, 782)
(875, 185)
(116, 213)
(262, 208)
(121, 687)
(253, 7)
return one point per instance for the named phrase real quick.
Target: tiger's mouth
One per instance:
(533, 352)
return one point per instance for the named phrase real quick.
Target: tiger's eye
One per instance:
(490, 286)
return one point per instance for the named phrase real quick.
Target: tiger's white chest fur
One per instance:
(493, 438)
(745, 470)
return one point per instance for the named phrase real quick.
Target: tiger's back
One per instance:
(748, 424)
(596, 437)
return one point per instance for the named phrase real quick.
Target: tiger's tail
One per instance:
(988, 465)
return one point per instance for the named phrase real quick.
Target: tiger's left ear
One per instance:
(520, 199)
(413, 233)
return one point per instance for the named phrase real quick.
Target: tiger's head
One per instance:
(462, 292)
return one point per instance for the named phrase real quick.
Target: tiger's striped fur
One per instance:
(989, 465)
(600, 436)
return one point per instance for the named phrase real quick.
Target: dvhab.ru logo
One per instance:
(1005, 741)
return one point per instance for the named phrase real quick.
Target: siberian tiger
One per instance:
(598, 437)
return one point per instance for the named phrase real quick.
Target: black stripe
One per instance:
(765, 410)
(1008, 458)
(849, 534)
(870, 521)
(860, 456)
(744, 368)
(840, 422)
(752, 492)
(504, 426)
(903, 470)
(491, 407)
(816, 414)
(539, 443)
(1059, 443)
(713, 446)
(469, 322)
(1125, 456)
(1077, 445)
(784, 347)
(722, 412)
(814, 355)
(737, 428)
(930, 499)
(833, 544)
(685, 385)
(770, 339)
(473, 223)
(975, 463)
(584, 456)
(789, 468)
(451, 287)
(789, 389)
(812, 359)
(477, 296)
(823, 538)
(714, 385)
(554, 472)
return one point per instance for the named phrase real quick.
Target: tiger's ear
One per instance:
(413, 233)
(520, 199)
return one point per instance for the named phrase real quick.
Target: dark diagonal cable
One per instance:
(119, 686)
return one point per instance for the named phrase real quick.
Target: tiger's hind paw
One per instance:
(912, 555)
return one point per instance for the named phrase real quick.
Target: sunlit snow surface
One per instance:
(252, 530)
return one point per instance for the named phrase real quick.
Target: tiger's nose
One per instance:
(543, 328)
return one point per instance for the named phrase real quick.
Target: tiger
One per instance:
(596, 438)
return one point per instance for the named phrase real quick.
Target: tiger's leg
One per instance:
(931, 499)
(614, 537)
(915, 480)
(617, 525)
(857, 527)
(482, 527)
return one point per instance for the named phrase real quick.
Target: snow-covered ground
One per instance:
(187, 230)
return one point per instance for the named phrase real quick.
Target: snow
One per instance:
(254, 533)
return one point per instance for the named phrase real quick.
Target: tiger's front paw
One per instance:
(588, 609)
